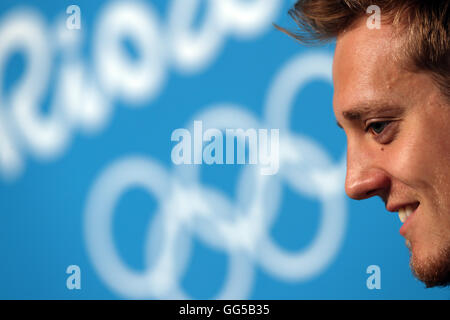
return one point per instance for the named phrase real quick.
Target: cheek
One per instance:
(420, 160)
(408, 162)
(421, 155)
(432, 156)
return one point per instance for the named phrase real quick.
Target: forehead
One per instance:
(365, 67)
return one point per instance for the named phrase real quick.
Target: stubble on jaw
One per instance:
(435, 271)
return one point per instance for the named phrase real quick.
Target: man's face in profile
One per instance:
(398, 138)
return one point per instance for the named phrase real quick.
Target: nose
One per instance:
(364, 179)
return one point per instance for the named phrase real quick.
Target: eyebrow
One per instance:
(370, 109)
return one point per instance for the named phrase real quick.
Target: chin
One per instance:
(433, 271)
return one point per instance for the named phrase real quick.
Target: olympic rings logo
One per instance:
(239, 228)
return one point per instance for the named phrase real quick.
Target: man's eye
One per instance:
(377, 127)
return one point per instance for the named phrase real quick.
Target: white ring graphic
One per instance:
(239, 227)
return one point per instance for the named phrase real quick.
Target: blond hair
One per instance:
(424, 26)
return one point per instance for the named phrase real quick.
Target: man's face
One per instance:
(398, 137)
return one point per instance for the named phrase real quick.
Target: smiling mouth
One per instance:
(405, 214)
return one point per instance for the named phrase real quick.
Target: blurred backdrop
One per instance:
(91, 92)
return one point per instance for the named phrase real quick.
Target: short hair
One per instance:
(423, 24)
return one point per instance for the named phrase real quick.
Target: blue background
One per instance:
(41, 210)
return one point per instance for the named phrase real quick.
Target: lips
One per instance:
(406, 215)
(405, 212)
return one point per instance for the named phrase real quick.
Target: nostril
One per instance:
(371, 193)
(381, 192)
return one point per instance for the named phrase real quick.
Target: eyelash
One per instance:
(370, 127)
(387, 133)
